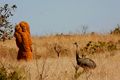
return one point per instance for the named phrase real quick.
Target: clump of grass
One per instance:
(3, 73)
(9, 53)
(11, 73)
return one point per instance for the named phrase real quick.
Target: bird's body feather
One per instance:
(84, 62)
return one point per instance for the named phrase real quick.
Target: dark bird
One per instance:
(85, 63)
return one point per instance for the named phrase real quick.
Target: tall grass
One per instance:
(47, 65)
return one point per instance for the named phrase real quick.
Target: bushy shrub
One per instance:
(100, 46)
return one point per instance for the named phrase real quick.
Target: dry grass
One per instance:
(46, 65)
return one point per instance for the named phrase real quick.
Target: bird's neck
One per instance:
(77, 55)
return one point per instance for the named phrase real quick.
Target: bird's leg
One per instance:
(85, 70)
(88, 75)
(76, 68)
(77, 73)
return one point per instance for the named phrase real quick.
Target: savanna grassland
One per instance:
(54, 58)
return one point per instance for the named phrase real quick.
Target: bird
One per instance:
(85, 63)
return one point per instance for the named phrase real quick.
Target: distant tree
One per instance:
(116, 30)
(6, 27)
(84, 29)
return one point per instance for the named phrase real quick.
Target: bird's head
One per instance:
(76, 44)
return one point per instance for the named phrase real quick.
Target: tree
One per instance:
(116, 31)
(6, 27)
(84, 29)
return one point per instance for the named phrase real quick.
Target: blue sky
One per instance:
(64, 16)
